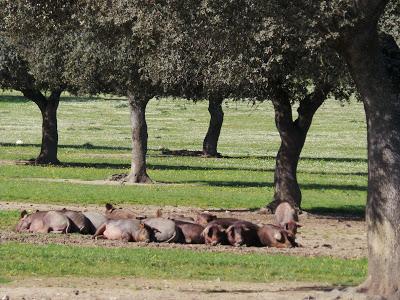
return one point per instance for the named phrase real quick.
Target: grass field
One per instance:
(332, 171)
(55, 260)
(94, 137)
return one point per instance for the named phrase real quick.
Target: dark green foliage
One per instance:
(14, 72)
(37, 31)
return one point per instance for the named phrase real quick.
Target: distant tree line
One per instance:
(287, 52)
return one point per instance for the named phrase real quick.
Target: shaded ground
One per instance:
(137, 288)
(320, 235)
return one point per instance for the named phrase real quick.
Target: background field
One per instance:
(95, 141)
(94, 137)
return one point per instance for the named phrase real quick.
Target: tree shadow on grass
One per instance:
(305, 186)
(346, 212)
(188, 168)
(13, 99)
(263, 157)
(83, 146)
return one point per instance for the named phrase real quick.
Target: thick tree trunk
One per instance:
(293, 136)
(138, 173)
(381, 98)
(48, 108)
(210, 142)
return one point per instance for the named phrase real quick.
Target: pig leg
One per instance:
(126, 237)
(44, 230)
(100, 231)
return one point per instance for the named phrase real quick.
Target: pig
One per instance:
(205, 218)
(113, 213)
(243, 233)
(127, 230)
(182, 218)
(275, 236)
(191, 233)
(43, 222)
(96, 219)
(164, 230)
(215, 232)
(286, 217)
(79, 222)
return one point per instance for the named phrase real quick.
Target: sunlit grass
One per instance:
(53, 260)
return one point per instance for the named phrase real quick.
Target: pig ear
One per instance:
(299, 225)
(109, 206)
(23, 213)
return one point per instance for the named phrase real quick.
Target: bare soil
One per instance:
(319, 236)
(138, 288)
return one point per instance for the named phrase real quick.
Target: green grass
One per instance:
(8, 219)
(19, 260)
(95, 143)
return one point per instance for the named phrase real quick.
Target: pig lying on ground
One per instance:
(243, 233)
(181, 218)
(191, 233)
(79, 222)
(215, 231)
(205, 218)
(164, 230)
(275, 236)
(113, 213)
(126, 229)
(43, 222)
(96, 219)
(286, 217)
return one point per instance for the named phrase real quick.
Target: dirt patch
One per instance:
(319, 236)
(138, 288)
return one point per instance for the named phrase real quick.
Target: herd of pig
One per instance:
(121, 224)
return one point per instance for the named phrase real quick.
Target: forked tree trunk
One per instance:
(137, 105)
(381, 98)
(293, 135)
(210, 142)
(48, 108)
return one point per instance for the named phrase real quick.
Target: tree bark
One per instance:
(48, 108)
(381, 98)
(210, 142)
(293, 136)
(138, 173)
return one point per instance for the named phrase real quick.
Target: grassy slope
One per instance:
(332, 172)
(53, 260)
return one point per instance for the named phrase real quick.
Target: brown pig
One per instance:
(43, 222)
(97, 219)
(113, 213)
(205, 218)
(243, 233)
(191, 233)
(215, 231)
(79, 222)
(275, 236)
(126, 229)
(286, 217)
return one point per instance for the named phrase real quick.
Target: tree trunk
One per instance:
(293, 136)
(381, 98)
(48, 108)
(210, 142)
(138, 173)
